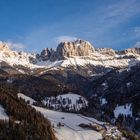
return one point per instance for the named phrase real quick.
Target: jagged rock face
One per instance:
(77, 48)
(53, 56)
(45, 54)
(67, 50)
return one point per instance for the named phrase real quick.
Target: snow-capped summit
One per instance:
(15, 58)
(76, 48)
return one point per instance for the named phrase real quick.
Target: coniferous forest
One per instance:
(25, 123)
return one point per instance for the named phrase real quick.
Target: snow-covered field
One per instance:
(70, 130)
(3, 115)
(124, 109)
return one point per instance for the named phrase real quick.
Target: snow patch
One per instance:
(124, 110)
(3, 115)
(26, 98)
(103, 101)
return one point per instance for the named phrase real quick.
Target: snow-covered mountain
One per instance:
(82, 53)
(15, 58)
(78, 53)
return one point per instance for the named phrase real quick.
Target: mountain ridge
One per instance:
(77, 53)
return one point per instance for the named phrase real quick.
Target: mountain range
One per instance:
(78, 53)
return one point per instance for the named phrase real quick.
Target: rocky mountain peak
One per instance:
(76, 48)
(68, 49)
(45, 54)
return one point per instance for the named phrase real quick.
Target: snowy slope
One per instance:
(69, 124)
(70, 130)
(3, 115)
(26, 98)
(80, 61)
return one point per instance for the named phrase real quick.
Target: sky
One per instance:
(32, 25)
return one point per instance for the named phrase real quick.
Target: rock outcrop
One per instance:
(106, 51)
(77, 48)
(68, 49)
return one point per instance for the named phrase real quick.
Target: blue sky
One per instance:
(35, 24)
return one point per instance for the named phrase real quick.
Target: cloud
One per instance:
(64, 38)
(137, 45)
(15, 46)
(53, 42)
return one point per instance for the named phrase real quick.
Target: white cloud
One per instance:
(15, 46)
(64, 38)
(137, 44)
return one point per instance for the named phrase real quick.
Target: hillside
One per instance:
(24, 122)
